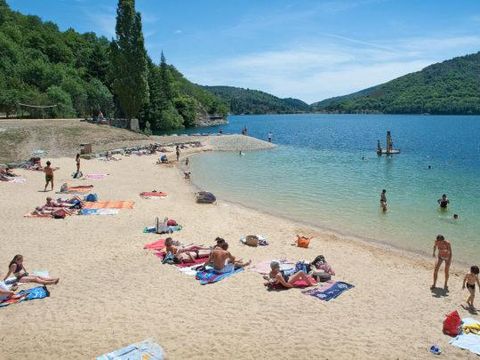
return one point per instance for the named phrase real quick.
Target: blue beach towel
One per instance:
(469, 342)
(153, 229)
(210, 276)
(330, 292)
(143, 350)
(39, 292)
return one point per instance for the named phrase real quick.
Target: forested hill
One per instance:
(450, 87)
(246, 101)
(41, 65)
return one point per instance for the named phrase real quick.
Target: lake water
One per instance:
(317, 175)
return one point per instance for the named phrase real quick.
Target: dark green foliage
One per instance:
(129, 60)
(246, 101)
(40, 65)
(450, 87)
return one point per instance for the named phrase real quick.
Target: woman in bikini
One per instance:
(18, 270)
(444, 254)
(277, 278)
(187, 254)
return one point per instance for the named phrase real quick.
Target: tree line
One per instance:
(84, 74)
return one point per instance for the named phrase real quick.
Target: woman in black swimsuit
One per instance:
(18, 270)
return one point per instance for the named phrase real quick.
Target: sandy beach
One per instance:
(113, 293)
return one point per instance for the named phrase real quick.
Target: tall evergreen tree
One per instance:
(129, 60)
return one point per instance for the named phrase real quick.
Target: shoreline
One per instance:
(113, 293)
(375, 244)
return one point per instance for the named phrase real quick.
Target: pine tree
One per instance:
(129, 60)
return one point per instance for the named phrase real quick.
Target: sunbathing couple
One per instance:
(53, 207)
(219, 257)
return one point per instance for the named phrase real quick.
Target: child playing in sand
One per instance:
(470, 279)
(48, 170)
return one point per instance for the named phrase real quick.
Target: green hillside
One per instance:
(41, 65)
(246, 101)
(450, 87)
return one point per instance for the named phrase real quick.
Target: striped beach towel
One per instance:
(210, 276)
(109, 204)
(329, 292)
(39, 292)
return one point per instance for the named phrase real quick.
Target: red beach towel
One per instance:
(153, 194)
(156, 245)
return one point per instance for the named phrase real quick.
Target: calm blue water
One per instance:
(317, 175)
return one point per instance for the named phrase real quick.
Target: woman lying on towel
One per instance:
(186, 254)
(278, 279)
(18, 270)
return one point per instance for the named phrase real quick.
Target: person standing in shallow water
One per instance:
(270, 137)
(443, 202)
(383, 200)
(444, 254)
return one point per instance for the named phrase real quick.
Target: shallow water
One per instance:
(317, 175)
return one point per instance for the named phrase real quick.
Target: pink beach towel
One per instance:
(95, 176)
(156, 245)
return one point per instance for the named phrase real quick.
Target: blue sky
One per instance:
(306, 49)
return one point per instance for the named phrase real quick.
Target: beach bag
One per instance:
(171, 222)
(302, 241)
(321, 276)
(59, 214)
(64, 187)
(251, 240)
(302, 266)
(91, 198)
(451, 324)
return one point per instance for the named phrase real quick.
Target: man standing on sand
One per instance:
(223, 261)
(177, 151)
(444, 254)
(48, 170)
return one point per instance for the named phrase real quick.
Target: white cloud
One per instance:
(333, 67)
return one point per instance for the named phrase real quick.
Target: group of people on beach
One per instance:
(445, 254)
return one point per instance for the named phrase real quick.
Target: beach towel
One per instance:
(145, 350)
(99, 211)
(329, 292)
(262, 240)
(469, 342)
(109, 204)
(78, 189)
(17, 180)
(153, 195)
(169, 229)
(31, 215)
(39, 292)
(95, 176)
(156, 245)
(210, 276)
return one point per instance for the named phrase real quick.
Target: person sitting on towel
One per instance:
(278, 278)
(18, 270)
(186, 254)
(222, 261)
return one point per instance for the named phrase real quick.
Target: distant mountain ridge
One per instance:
(449, 87)
(246, 101)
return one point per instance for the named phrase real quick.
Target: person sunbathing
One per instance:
(18, 270)
(278, 278)
(186, 254)
(222, 261)
(6, 293)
